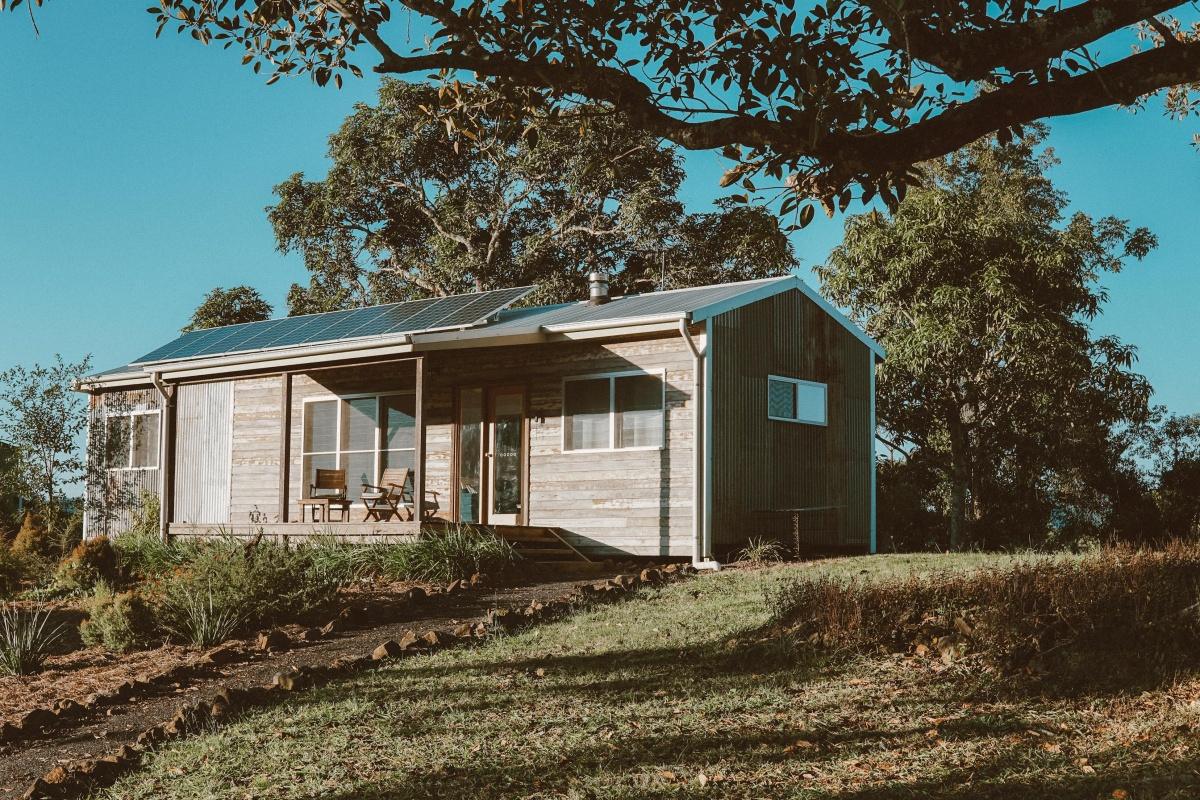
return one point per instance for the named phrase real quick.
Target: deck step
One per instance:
(540, 544)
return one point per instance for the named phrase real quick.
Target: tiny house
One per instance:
(678, 423)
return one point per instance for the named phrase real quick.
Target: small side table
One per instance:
(322, 506)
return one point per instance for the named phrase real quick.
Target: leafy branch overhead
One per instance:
(829, 100)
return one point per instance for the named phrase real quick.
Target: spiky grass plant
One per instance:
(26, 640)
(762, 550)
(444, 555)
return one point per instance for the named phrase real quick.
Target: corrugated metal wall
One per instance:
(763, 466)
(203, 452)
(113, 496)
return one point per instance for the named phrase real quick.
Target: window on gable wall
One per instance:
(131, 440)
(362, 435)
(613, 412)
(794, 400)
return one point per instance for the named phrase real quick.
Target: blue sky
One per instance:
(134, 173)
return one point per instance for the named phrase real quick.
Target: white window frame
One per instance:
(142, 412)
(380, 431)
(661, 374)
(824, 387)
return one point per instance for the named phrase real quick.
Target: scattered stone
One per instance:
(434, 638)
(67, 707)
(502, 618)
(310, 634)
(223, 654)
(416, 594)
(353, 615)
(274, 639)
(389, 649)
(464, 631)
(331, 627)
(455, 587)
(35, 720)
(56, 775)
(8, 731)
(288, 680)
(478, 580)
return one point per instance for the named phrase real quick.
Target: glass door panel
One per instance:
(507, 440)
(470, 455)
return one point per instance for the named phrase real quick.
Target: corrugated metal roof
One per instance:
(696, 303)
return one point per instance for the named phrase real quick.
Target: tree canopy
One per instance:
(982, 292)
(42, 417)
(821, 98)
(406, 212)
(229, 307)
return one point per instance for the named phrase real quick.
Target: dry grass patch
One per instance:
(679, 695)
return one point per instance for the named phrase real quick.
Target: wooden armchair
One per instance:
(326, 493)
(394, 496)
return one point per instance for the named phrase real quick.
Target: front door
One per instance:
(504, 456)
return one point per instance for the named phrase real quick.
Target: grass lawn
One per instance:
(670, 696)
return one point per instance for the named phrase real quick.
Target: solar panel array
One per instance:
(463, 310)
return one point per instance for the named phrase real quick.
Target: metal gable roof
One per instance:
(490, 317)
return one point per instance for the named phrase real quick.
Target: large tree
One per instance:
(406, 212)
(826, 95)
(43, 418)
(982, 292)
(229, 307)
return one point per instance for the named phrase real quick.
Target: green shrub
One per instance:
(26, 639)
(762, 551)
(441, 556)
(91, 561)
(12, 572)
(343, 562)
(144, 556)
(34, 539)
(146, 515)
(227, 586)
(119, 622)
(1120, 617)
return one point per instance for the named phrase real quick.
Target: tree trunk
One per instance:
(960, 481)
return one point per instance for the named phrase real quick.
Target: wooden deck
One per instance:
(536, 543)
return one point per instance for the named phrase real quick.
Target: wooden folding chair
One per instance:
(384, 501)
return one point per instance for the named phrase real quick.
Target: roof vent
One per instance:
(598, 286)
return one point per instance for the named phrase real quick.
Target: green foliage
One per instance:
(13, 568)
(229, 307)
(343, 562)
(146, 515)
(441, 556)
(145, 556)
(120, 622)
(26, 639)
(1119, 617)
(405, 212)
(835, 101)
(982, 292)
(762, 550)
(91, 562)
(227, 584)
(43, 417)
(35, 539)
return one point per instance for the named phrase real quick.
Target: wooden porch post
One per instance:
(419, 444)
(285, 443)
(166, 500)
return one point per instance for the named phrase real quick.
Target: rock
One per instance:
(56, 775)
(224, 654)
(389, 649)
(416, 594)
(67, 707)
(625, 581)
(651, 575)
(478, 580)
(310, 634)
(331, 627)
(274, 639)
(455, 587)
(37, 790)
(670, 569)
(8, 731)
(353, 615)
(35, 720)
(287, 681)
(434, 638)
(409, 641)
(464, 631)
(503, 618)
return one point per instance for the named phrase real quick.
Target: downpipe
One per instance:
(701, 558)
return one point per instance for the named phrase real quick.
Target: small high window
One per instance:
(131, 440)
(621, 411)
(794, 400)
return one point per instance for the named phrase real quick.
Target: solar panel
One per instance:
(463, 310)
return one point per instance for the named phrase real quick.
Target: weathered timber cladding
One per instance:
(203, 436)
(113, 496)
(762, 466)
(631, 501)
(254, 483)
